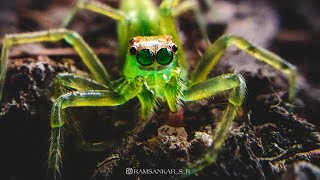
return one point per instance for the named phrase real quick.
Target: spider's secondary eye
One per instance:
(174, 48)
(133, 50)
(164, 56)
(145, 57)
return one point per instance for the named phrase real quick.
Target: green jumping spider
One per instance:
(154, 68)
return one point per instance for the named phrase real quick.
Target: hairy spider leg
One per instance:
(67, 81)
(75, 82)
(83, 98)
(73, 38)
(58, 119)
(177, 8)
(215, 51)
(94, 6)
(236, 86)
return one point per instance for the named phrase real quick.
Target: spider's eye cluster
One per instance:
(147, 57)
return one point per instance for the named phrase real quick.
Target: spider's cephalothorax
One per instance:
(151, 56)
(155, 59)
(153, 68)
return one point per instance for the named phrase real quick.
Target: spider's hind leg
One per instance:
(177, 8)
(94, 6)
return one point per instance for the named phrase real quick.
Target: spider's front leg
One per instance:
(64, 81)
(215, 51)
(83, 98)
(233, 83)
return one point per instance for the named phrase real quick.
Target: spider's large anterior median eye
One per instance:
(164, 56)
(145, 57)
